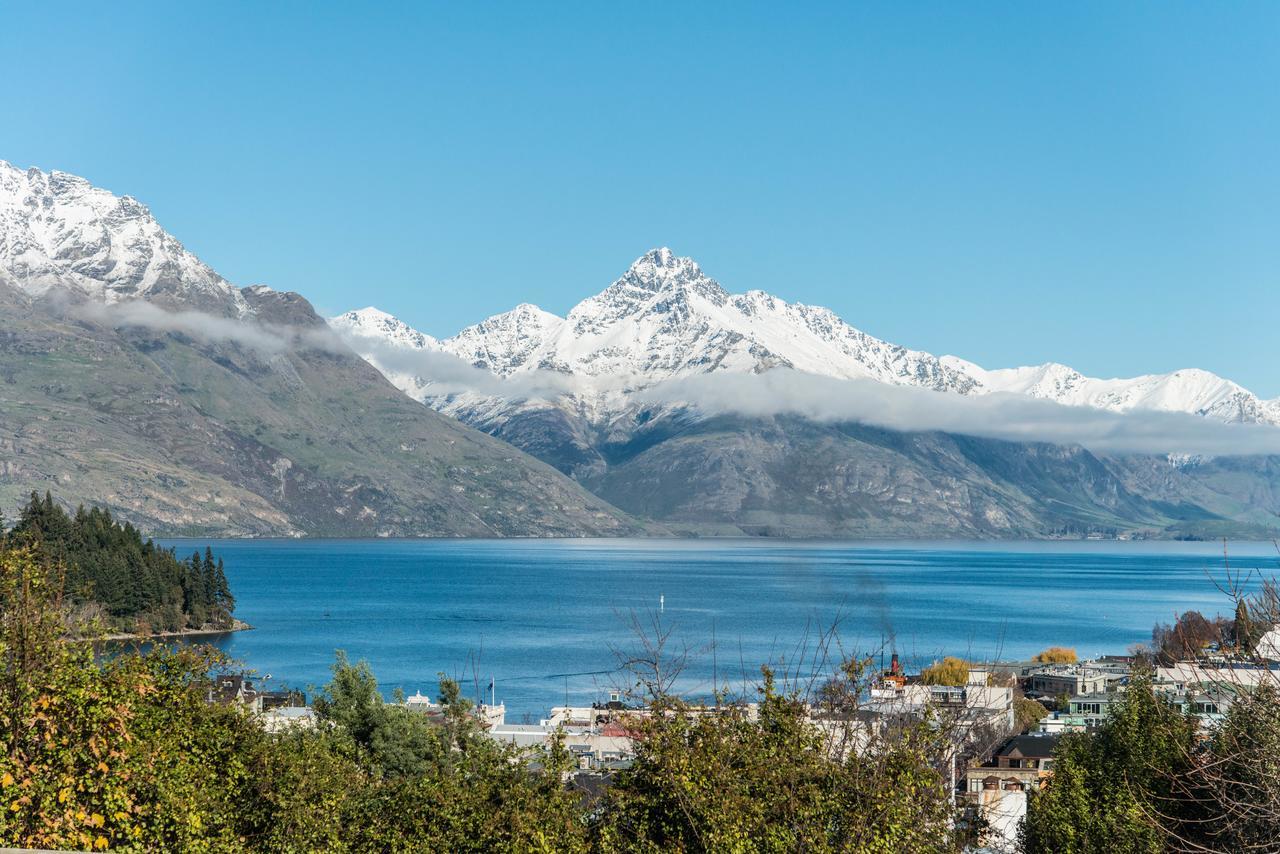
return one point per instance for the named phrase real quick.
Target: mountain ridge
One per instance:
(664, 318)
(577, 392)
(138, 379)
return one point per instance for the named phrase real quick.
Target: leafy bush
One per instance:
(1055, 655)
(733, 781)
(1108, 787)
(1027, 713)
(950, 671)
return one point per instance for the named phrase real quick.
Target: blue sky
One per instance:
(1092, 184)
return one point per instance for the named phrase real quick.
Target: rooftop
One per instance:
(1034, 744)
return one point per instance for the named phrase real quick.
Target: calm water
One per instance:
(544, 617)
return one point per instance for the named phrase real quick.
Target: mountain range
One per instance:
(665, 319)
(134, 376)
(585, 392)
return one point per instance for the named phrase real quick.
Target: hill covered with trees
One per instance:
(112, 572)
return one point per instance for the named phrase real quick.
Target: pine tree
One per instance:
(210, 577)
(225, 602)
(133, 579)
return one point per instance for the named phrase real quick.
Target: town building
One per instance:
(489, 715)
(228, 688)
(997, 789)
(1056, 680)
(284, 718)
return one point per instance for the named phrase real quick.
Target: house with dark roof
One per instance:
(997, 789)
(228, 688)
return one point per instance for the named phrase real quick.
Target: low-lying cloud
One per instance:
(780, 391)
(451, 375)
(1013, 417)
(199, 325)
(267, 339)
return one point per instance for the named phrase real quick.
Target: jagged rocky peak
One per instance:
(660, 269)
(656, 279)
(665, 318)
(59, 231)
(520, 339)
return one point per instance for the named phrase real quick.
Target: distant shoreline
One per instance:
(236, 626)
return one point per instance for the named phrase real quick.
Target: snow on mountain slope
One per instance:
(367, 329)
(59, 230)
(1190, 390)
(665, 319)
(378, 324)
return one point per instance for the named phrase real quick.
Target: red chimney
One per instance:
(894, 668)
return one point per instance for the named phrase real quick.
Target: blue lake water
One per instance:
(546, 618)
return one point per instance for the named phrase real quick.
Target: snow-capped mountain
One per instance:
(58, 230)
(182, 404)
(665, 319)
(1191, 391)
(377, 324)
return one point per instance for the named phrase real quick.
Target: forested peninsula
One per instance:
(121, 583)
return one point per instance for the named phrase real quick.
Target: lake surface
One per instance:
(546, 618)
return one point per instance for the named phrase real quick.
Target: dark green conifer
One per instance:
(133, 579)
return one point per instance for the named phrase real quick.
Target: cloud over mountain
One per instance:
(1000, 415)
(664, 333)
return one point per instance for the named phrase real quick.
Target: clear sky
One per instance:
(1092, 184)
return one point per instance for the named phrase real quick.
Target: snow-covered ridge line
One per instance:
(665, 319)
(1189, 390)
(58, 230)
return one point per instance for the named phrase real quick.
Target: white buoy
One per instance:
(662, 603)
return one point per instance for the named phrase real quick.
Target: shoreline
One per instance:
(236, 626)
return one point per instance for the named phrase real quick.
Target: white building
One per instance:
(1268, 646)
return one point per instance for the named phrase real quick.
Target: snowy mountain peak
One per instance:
(58, 230)
(658, 283)
(664, 318)
(656, 274)
(512, 341)
(373, 323)
(659, 269)
(1190, 390)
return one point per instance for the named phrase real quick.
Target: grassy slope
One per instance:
(188, 437)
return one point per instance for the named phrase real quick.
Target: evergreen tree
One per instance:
(224, 601)
(134, 580)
